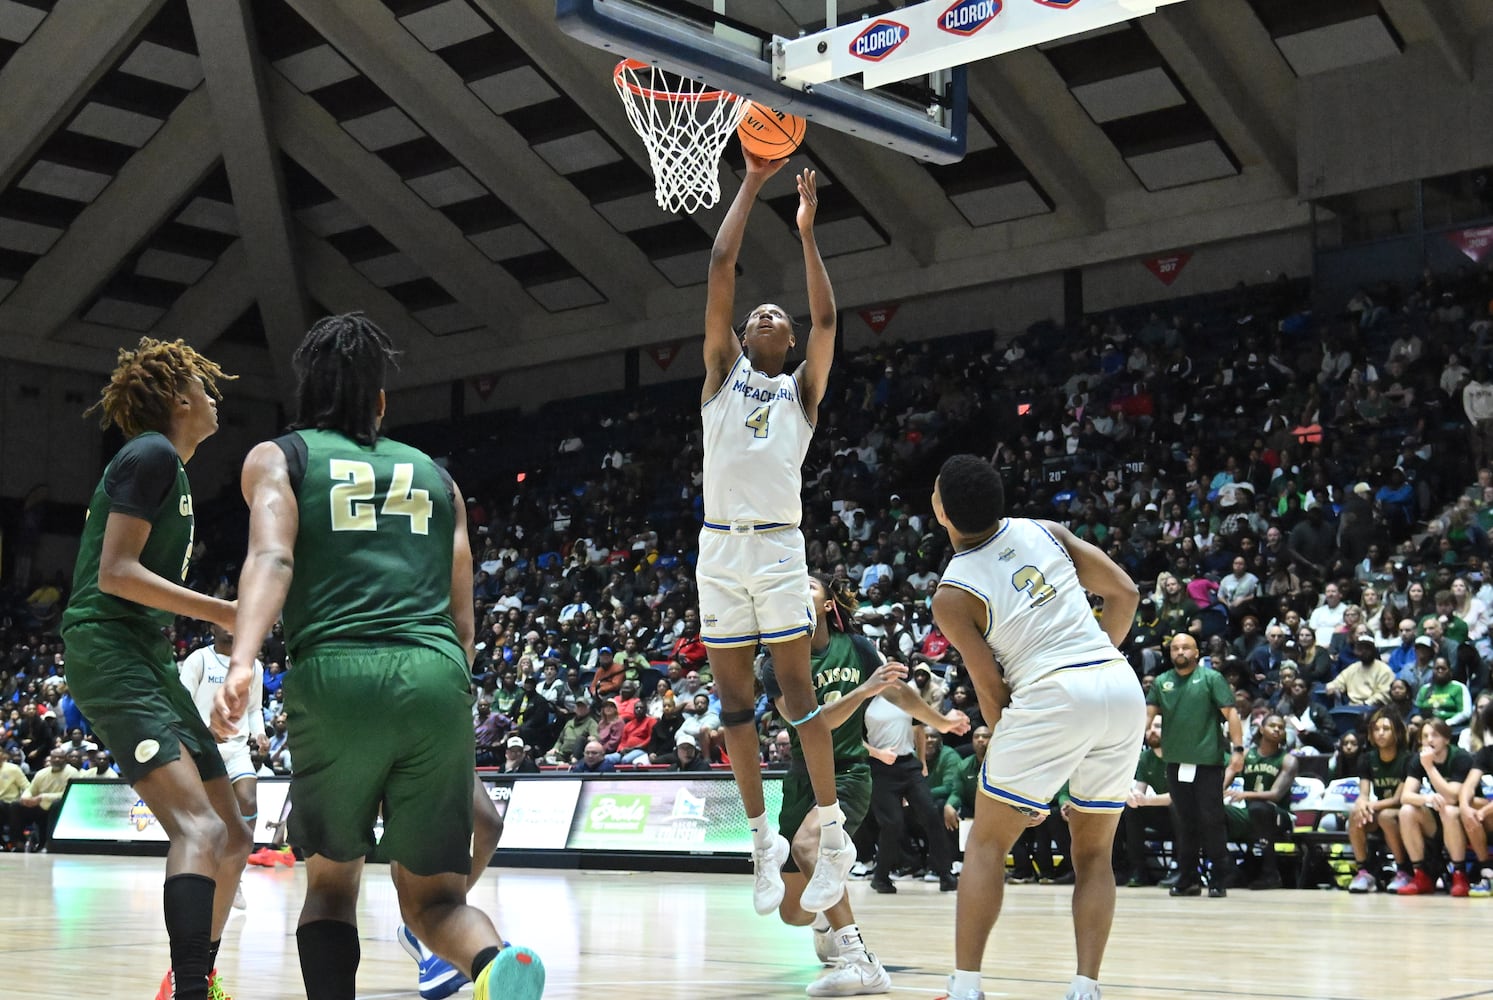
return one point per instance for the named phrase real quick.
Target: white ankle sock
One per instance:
(761, 831)
(964, 982)
(1082, 985)
(831, 827)
(849, 939)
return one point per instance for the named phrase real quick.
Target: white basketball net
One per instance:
(685, 126)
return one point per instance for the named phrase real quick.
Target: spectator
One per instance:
(35, 806)
(13, 785)
(593, 760)
(489, 732)
(1402, 700)
(637, 735)
(1365, 684)
(1195, 751)
(1239, 590)
(516, 759)
(702, 726)
(574, 736)
(609, 730)
(610, 674)
(687, 754)
(1444, 697)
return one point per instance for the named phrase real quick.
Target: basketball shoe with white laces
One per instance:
(828, 882)
(767, 867)
(859, 973)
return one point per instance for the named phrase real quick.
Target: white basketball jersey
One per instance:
(203, 673)
(1039, 615)
(756, 436)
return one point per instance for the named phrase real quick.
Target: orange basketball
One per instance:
(770, 134)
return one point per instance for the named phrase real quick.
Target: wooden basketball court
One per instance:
(83, 926)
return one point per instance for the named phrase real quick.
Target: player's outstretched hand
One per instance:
(958, 722)
(762, 169)
(228, 707)
(889, 673)
(808, 200)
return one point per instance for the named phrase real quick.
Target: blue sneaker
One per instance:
(438, 977)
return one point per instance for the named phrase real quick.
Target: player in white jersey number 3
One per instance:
(752, 574)
(1063, 704)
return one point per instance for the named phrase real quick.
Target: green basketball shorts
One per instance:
(382, 726)
(125, 681)
(852, 788)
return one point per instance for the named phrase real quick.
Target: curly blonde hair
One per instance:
(148, 379)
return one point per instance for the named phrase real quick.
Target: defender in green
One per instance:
(127, 586)
(362, 542)
(847, 672)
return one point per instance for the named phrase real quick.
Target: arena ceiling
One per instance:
(224, 170)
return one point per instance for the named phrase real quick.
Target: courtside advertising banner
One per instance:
(662, 815)
(104, 811)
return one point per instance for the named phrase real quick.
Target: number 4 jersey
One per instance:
(756, 436)
(1038, 615)
(374, 546)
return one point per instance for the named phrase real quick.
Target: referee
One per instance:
(1191, 698)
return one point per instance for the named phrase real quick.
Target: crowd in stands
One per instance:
(1305, 491)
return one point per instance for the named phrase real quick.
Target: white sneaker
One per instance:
(951, 994)
(1093, 994)
(859, 870)
(930, 877)
(238, 898)
(858, 976)
(767, 865)
(826, 947)
(828, 883)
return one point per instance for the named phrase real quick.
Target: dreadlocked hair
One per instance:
(842, 592)
(340, 369)
(146, 382)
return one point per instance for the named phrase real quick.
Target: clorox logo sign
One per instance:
(879, 40)
(966, 17)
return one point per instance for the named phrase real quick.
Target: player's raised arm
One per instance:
(462, 612)
(274, 521)
(813, 376)
(721, 346)
(1101, 575)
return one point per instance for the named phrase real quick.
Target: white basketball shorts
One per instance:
(1081, 725)
(754, 586)
(235, 754)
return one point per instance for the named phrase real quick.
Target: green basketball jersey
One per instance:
(1384, 777)
(373, 550)
(839, 669)
(1261, 771)
(1152, 770)
(146, 480)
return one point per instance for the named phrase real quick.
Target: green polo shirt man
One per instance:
(1192, 701)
